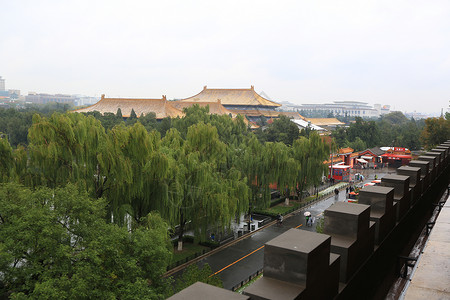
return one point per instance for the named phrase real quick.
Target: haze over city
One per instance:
(387, 52)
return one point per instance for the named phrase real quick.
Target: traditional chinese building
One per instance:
(161, 107)
(244, 102)
(396, 156)
(215, 107)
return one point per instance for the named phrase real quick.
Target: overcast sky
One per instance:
(388, 52)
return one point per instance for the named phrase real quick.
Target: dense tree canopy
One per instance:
(281, 130)
(392, 129)
(55, 244)
(436, 131)
(98, 193)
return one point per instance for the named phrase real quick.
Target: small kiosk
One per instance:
(340, 172)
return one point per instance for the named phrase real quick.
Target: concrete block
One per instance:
(298, 265)
(401, 187)
(347, 219)
(438, 155)
(351, 237)
(382, 211)
(432, 161)
(424, 172)
(267, 288)
(445, 147)
(443, 154)
(423, 165)
(200, 290)
(415, 181)
(383, 224)
(379, 198)
(438, 163)
(400, 184)
(297, 256)
(413, 172)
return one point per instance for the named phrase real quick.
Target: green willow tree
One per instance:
(74, 148)
(199, 192)
(283, 167)
(6, 158)
(147, 190)
(310, 154)
(251, 161)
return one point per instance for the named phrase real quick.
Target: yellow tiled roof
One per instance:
(161, 107)
(257, 113)
(293, 115)
(325, 121)
(215, 108)
(232, 97)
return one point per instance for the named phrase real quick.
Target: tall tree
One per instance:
(56, 244)
(119, 113)
(282, 167)
(201, 193)
(310, 155)
(251, 161)
(74, 148)
(281, 130)
(436, 131)
(6, 158)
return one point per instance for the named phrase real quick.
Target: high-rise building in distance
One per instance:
(2, 84)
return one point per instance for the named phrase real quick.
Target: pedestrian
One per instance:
(279, 219)
(346, 190)
(307, 220)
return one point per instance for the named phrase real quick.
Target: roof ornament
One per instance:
(204, 88)
(164, 97)
(103, 96)
(252, 87)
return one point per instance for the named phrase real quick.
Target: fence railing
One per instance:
(246, 280)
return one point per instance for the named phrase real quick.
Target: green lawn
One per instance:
(280, 208)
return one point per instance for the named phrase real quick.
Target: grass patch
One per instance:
(279, 209)
(189, 249)
(242, 288)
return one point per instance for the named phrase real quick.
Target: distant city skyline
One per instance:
(379, 52)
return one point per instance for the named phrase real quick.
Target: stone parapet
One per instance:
(424, 171)
(443, 152)
(200, 290)
(439, 167)
(432, 166)
(402, 192)
(382, 209)
(301, 260)
(352, 235)
(415, 182)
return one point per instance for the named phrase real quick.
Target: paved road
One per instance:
(237, 262)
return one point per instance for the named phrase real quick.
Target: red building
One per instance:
(397, 156)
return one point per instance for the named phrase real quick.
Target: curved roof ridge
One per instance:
(159, 106)
(243, 98)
